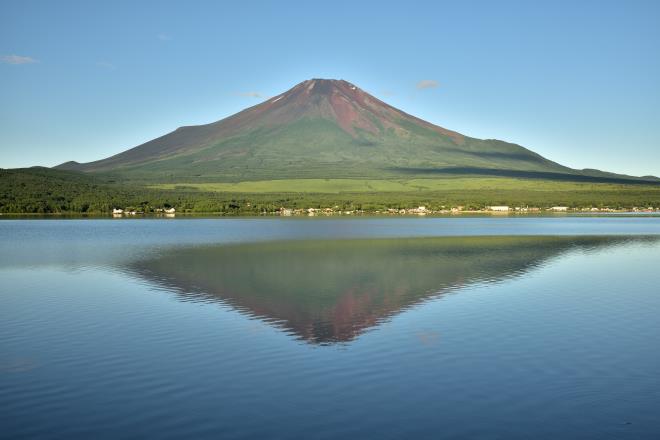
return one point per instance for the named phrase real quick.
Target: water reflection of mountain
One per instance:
(331, 291)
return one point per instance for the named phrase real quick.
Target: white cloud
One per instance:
(106, 65)
(163, 37)
(17, 59)
(427, 84)
(251, 94)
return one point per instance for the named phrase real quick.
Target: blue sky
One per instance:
(578, 82)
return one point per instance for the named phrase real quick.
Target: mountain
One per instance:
(323, 128)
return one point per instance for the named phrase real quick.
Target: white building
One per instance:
(559, 208)
(498, 208)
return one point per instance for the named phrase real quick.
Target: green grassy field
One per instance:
(338, 186)
(41, 190)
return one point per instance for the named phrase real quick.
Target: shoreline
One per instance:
(481, 214)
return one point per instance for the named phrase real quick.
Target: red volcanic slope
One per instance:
(349, 105)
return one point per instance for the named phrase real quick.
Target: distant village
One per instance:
(420, 210)
(423, 210)
(119, 212)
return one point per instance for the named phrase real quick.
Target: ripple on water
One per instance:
(479, 338)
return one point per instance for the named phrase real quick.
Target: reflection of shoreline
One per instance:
(332, 291)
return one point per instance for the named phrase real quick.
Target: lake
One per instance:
(484, 327)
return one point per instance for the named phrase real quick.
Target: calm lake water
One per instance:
(488, 328)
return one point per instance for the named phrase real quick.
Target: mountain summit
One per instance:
(319, 128)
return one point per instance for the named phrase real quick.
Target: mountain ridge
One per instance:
(319, 128)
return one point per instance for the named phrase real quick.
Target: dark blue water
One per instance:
(368, 328)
